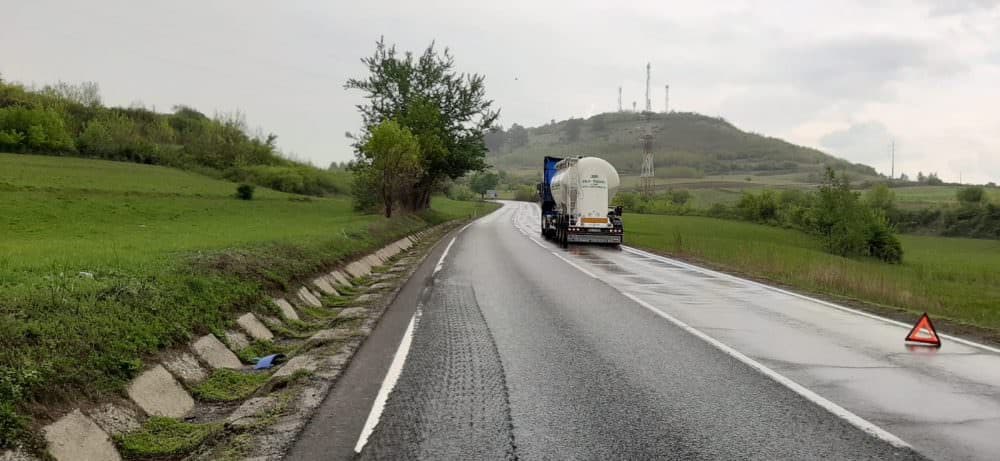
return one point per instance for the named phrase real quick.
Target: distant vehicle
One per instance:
(575, 193)
(491, 194)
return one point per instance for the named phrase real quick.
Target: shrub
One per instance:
(971, 195)
(244, 192)
(526, 194)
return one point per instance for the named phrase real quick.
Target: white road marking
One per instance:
(837, 410)
(395, 369)
(440, 262)
(800, 296)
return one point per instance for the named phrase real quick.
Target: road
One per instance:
(524, 350)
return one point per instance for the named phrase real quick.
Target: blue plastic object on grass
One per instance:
(268, 362)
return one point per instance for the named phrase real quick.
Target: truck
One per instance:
(575, 194)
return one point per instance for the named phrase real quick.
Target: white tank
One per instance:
(583, 188)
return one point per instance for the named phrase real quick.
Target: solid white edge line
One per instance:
(801, 296)
(837, 410)
(391, 376)
(440, 263)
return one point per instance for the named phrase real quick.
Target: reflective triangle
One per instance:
(924, 332)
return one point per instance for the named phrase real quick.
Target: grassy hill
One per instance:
(690, 149)
(104, 263)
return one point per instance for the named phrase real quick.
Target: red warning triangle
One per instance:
(924, 332)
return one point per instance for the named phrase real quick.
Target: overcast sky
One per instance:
(846, 77)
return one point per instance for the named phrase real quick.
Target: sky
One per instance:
(847, 77)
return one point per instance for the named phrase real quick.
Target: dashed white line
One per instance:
(395, 369)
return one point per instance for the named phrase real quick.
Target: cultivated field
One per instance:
(953, 278)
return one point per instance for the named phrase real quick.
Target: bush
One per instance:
(244, 192)
(971, 195)
(526, 194)
(761, 208)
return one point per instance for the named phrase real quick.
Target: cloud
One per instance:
(958, 7)
(866, 142)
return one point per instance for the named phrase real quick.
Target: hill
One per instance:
(70, 120)
(104, 263)
(686, 146)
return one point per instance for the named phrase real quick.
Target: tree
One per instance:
(391, 165)
(971, 195)
(517, 136)
(482, 182)
(597, 124)
(494, 139)
(446, 111)
(571, 129)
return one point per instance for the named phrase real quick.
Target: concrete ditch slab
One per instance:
(300, 362)
(358, 268)
(381, 285)
(286, 309)
(253, 327)
(353, 313)
(341, 279)
(75, 437)
(250, 411)
(236, 340)
(115, 419)
(215, 354)
(324, 285)
(159, 394)
(329, 335)
(307, 297)
(373, 261)
(185, 367)
(366, 298)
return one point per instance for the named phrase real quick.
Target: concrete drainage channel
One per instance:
(178, 398)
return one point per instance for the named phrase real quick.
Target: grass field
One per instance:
(105, 263)
(928, 196)
(952, 278)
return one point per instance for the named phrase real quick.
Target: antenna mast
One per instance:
(619, 98)
(649, 102)
(666, 99)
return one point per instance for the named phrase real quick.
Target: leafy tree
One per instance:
(571, 129)
(495, 139)
(517, 136)
(483, 181)
(446, 111)
(934, 180)
(391, 164)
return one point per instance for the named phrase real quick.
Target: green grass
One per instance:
(103, 264)
(228, 385)
(928, 196)
(953, 278)
(165, 437)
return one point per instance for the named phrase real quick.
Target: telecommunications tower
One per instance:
(649, 102)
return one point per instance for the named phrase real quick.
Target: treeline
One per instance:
(67, 119)
(846, 223)
(974, 216)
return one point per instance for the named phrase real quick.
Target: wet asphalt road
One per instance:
(518, 354)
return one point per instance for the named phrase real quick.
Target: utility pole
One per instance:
(633, 106)
(892, 149)
(619, 98)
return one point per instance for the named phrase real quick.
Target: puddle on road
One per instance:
(642, 280)
(617, 270)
